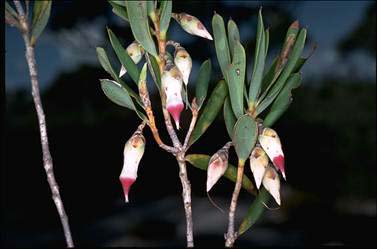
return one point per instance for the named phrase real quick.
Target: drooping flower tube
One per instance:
(136, 52)
(133, 152)
(258, 164)
(217, 166)
(183, 61)
(270, 142)
(192, 25)
(171, 81)
(271, 182)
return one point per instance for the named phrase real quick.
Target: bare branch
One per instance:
(194, 111)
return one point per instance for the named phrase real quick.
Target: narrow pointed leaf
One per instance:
(233, 36)
(255, 211)
(292, 61)
(229, 118)
(266, 41)
(118, 2)
(119, 10)
(202, 82)
(244, 137)
(41, 13)
(150, 7)
(259, 61)
(221, 42)
(137, 14)
(123, 57)
(117, 93)
(166, 7)
(282, 101)
(201, 161)
(156, 71)
(210, 111)
(10, 10)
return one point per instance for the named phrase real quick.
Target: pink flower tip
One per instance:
(279, 163)
(126, 184)
(175, 112)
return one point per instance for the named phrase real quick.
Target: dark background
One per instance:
(328, 134)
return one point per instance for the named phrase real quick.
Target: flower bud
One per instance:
(258, 164)
(271, 144)
(133, 152)
(183, 61)
(217, 166)
(171, 81)
(136, 52)
(192, 25)
(271, 182)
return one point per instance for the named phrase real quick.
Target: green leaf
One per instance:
(166, 7)
(10, 10)
(210, 111)
(137, 13)
(235, 77)
(266, 41)
(292, 61)
(229, 118)
(202, 81)
(151, 8)
(269, 77)
(255, 211)
(283, 100)
(117, 93)
(156, 71)
(123, 57)
(105, 63)
(118, 2)
(201, 161)
(119, 9)
(245, 136)
(221, 42)
(41, 13)
(233, 36)
(259, 61)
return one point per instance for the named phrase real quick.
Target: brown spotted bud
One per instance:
(136, 52)
(192, 25)
(171, 81)
(270, 142)
(133, 152)
(271, 183)
(258, 164)
(217, 166)
(183, 61)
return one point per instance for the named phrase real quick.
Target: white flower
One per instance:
(217, 166)
(183, 61)
(258, 164)
(135, 51)
(192, 25)
(271, 182)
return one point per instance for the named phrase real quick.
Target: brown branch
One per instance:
(231, 236)
(47, 159)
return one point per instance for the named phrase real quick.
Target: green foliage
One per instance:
(244, 137)
(41, 13)
(119, 9)
(234, 36)
(202, 81)
(166, 8)
(221, 42)
(210, 111)
(229, 118)
(116, 93)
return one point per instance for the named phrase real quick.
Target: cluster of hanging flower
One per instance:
(267, 149)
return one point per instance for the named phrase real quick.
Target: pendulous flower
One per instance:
(183, 61)
(171, 81)
(271, 182)
(192, 25)
(258, 164)
(270, 142)
(217, 166)
(136, 52)
(133, 152)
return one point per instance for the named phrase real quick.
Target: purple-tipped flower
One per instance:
(133, 152)
(270, 142)
(136, 52)
(192, 25)
(271, 182)
(258, 164)
(217, 166)
(183, 61)
(171, 81)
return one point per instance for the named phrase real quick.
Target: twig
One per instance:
(47, 159)
(231, 236)
(194, 112)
